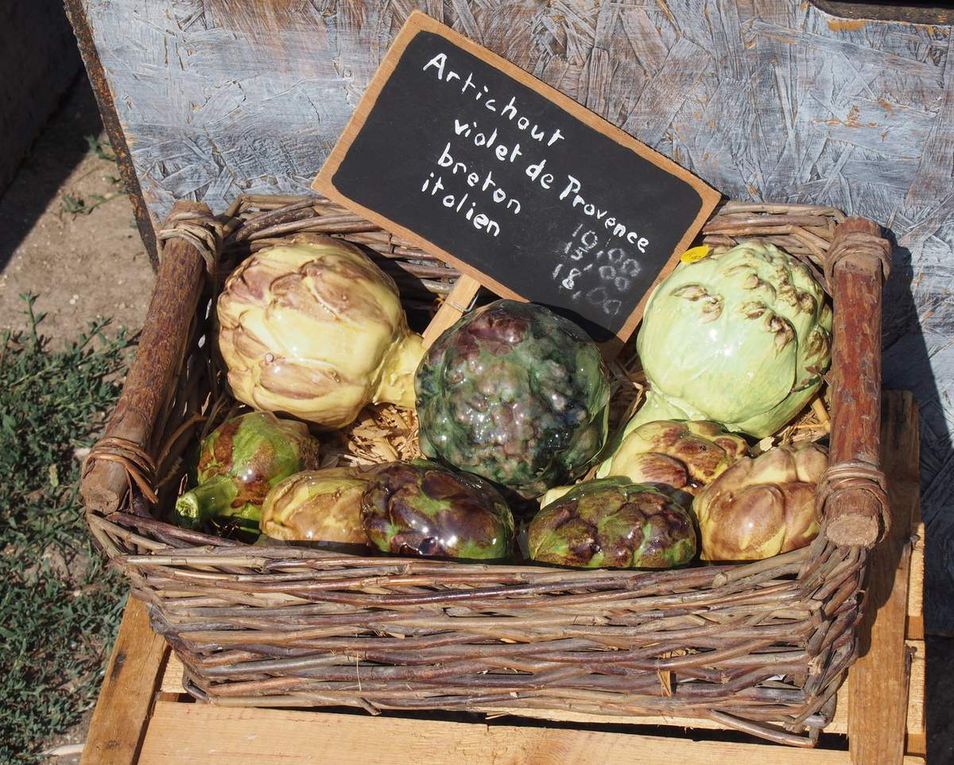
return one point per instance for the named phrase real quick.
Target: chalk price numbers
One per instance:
(595, 272)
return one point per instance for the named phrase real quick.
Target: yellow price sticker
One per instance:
(696, 253)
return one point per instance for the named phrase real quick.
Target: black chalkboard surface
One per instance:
(513, 182)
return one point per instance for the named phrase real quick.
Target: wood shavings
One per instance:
(813, 424)
(627, 391)
(383, 433)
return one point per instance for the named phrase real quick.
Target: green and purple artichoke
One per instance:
(239, 462)
(516, 394)
(613, 523)
(421, 508)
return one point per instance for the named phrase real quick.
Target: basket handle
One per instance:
(851, 496)
(121, 457)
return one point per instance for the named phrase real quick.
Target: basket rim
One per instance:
(262, 213)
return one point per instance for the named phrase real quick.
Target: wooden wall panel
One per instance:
(764, 99)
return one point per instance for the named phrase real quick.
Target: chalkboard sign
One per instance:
(513, 182)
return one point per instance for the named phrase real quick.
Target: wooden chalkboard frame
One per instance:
(420, 22)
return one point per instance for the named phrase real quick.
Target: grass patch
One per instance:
(59, 606)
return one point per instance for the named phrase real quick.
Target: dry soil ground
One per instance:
(67, 234)
(82, 262)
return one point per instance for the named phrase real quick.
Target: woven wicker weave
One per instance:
(760, 647)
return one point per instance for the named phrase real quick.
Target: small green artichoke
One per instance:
(422, 508)
(516, 394)
(742, 338)
(613, 523)
(239, 462)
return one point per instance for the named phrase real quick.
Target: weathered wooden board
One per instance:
(883, 671)
(763, 99)
(179, 735)
(126, 698)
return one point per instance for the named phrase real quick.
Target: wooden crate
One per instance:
(144, 716)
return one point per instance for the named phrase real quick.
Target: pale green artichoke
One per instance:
(742, 338)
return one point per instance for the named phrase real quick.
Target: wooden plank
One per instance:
(76, 12)
(915, 629)
(179, 735)
(455, 305)
(171, 679)
(916, 724)
(125, 701)
(876, 709)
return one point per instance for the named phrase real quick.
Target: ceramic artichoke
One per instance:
(613, 523)
(516, 394)
(685, 455)
(741, 338)
(317, 506)
(422, 508)
(239, 462)
(315, 329)
(763, 506)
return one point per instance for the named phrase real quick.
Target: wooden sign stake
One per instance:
(455, 305)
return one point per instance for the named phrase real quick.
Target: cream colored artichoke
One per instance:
(315, 329)
(761, 507)
(317, 505)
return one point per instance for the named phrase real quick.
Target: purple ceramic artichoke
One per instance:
(421, 508)
(516, 394)
(613, 523)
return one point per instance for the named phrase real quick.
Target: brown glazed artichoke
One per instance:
(761, 507)
(613, 523)
(516, 394)
(315, 329)
(683, 454)
(317, 506)
(422, 508)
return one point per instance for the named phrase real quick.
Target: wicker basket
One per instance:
(761, 647)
